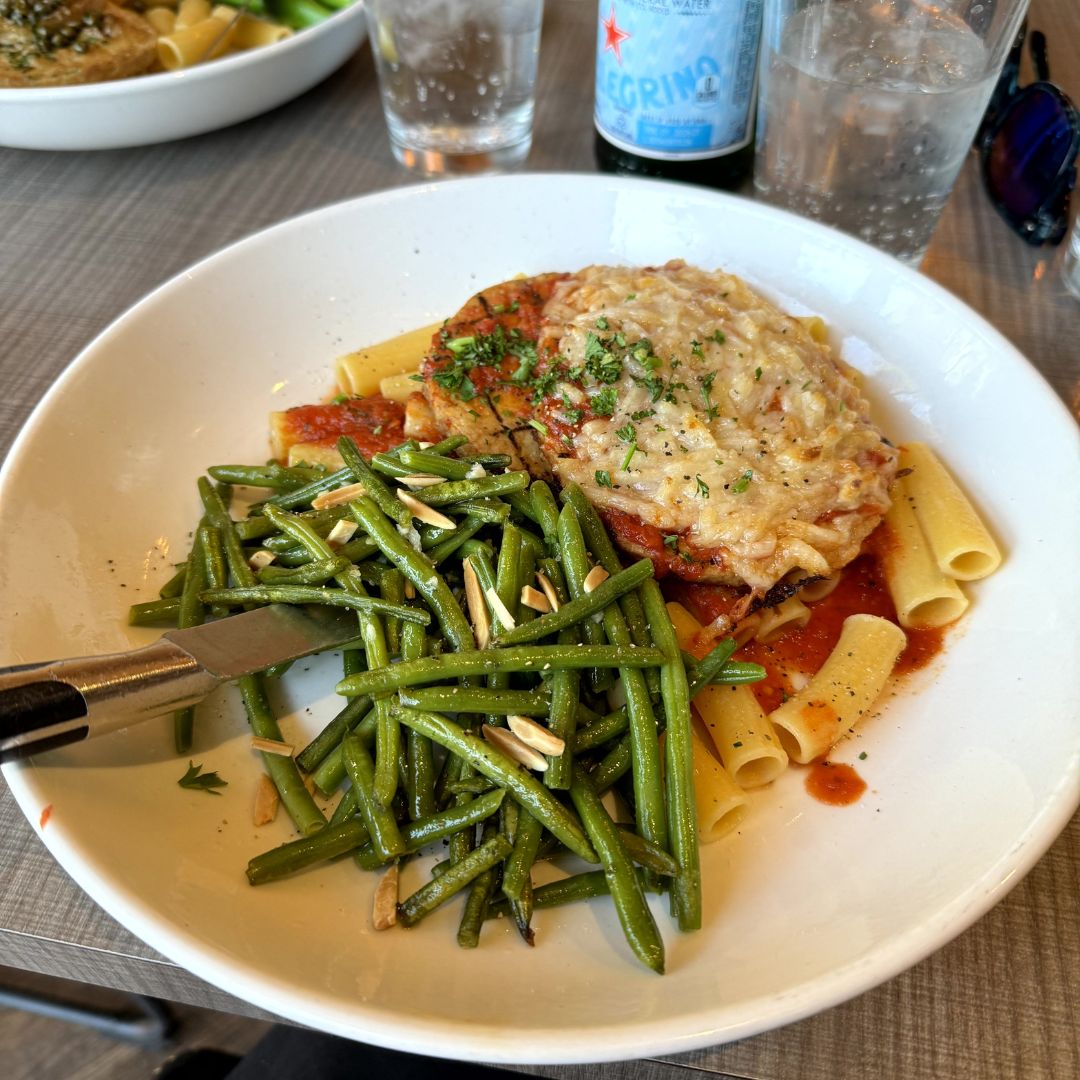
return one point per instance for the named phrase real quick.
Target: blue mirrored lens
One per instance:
(1029, 150)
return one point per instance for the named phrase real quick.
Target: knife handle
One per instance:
(44, 706)
(39, 716)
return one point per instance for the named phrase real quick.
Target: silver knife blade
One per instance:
(43, 706)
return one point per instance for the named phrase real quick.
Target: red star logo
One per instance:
(614, 36)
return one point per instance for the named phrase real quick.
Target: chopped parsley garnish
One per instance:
(671, 540)
(696, 349)
(570, 411)
(642, 414)
(601, 364)
(743, 482)
(502, 309)
(542, 428)
(197, 780)
(757, 373)
(718, 337)
(601, 323)
(627, 433)
(603, 478)
(711, 411)
(340, 399)
(631, 296)
(702, 487)
(603, 403)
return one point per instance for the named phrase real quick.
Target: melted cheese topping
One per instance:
(760, 452)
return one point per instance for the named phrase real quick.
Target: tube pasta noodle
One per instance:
(721, 803)
(361, 372)
(191, 44)
(397, 387)
(252, 33)
(190, 12)
(817, 328)
(842, 692)
(787, 615)
(923, 595)
(960, 541)
(162, 19)
(686, 629)
(742, 734)
(314, 454)
(818, 590)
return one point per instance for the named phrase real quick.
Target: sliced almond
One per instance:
(549, 590)
(411, 536)
(476, 471)
(271, 746)
(536, 735)
(384, 907)
(266, 801)
(258, 559)
(474, 600)
(594, 577)
(427, 514)
(421, 480)
(535, 599)
(513, 747)
(410, 591)
(342, 532)
(425, 445)
(324, 500)
(507, 620)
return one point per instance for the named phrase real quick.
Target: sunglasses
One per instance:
(1029, 140)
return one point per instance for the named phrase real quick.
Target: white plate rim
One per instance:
(490, 1043)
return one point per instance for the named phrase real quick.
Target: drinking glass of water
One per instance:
(868, 107)
(458, 80)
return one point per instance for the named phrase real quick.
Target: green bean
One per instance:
(217, 513)
(393, 590)
(479, 555)
(435, 893)
(374, 486)
(327, 843)
(596, 536)
(734, 672)
(489, 461)
(390, 465)
(286, 500)
(316, 751)
(313, 573)
(569, 890)
(385, 837)
(260, 526)
(455, 491)
(308, 594)
(420, 785)
(354, 551)
(519, 863)
(427, 463)
(546, 510)
(441, 551)
(217, 571)
(524, 787)
(626, 891)
(331, 770)
(708, 667)
(489, 511)
(602, 730)
(535, 658)
(581, 608)
(346, 808)
(436, 826)
(679, 760)
(418, 569)
(647, 854)
(172, 588)
(281, 477)
(447, 445)
(565, 690)
(470, 785)
(154, 612)
(521, 503)
(294, 796)
(613, 767)
(476, 903)
(190, 612)
(459, 699)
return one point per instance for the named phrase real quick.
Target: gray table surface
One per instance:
(84, 236)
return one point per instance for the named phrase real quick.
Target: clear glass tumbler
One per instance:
(458, 80)
(868, 108)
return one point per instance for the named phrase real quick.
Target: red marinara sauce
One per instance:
(833, 783)
(374, 423)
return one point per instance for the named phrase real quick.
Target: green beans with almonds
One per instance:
(524, 787)
(154, 612)
(385, 835)
(191, 611)
(420, 781)
(286, 500)
(318, 572)
(279, 477)
(418, 569)
(679, 760)
(535, 658)
(330, 737)
(374, 487)
(579, 609)
(461, 699)
(455, 491)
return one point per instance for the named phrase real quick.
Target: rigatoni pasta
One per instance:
(742, 735)
(721, 803)
(842, 691)
(923, 595)
(361, 372)
(958, 537)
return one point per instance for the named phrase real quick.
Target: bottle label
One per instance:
(676, 79)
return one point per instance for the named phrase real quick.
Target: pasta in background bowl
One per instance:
(175, 104)
(971, 773)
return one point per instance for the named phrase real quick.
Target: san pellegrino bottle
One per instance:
(676, 83)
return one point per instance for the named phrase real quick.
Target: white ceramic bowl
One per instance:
(972, 770)
(173, 105)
